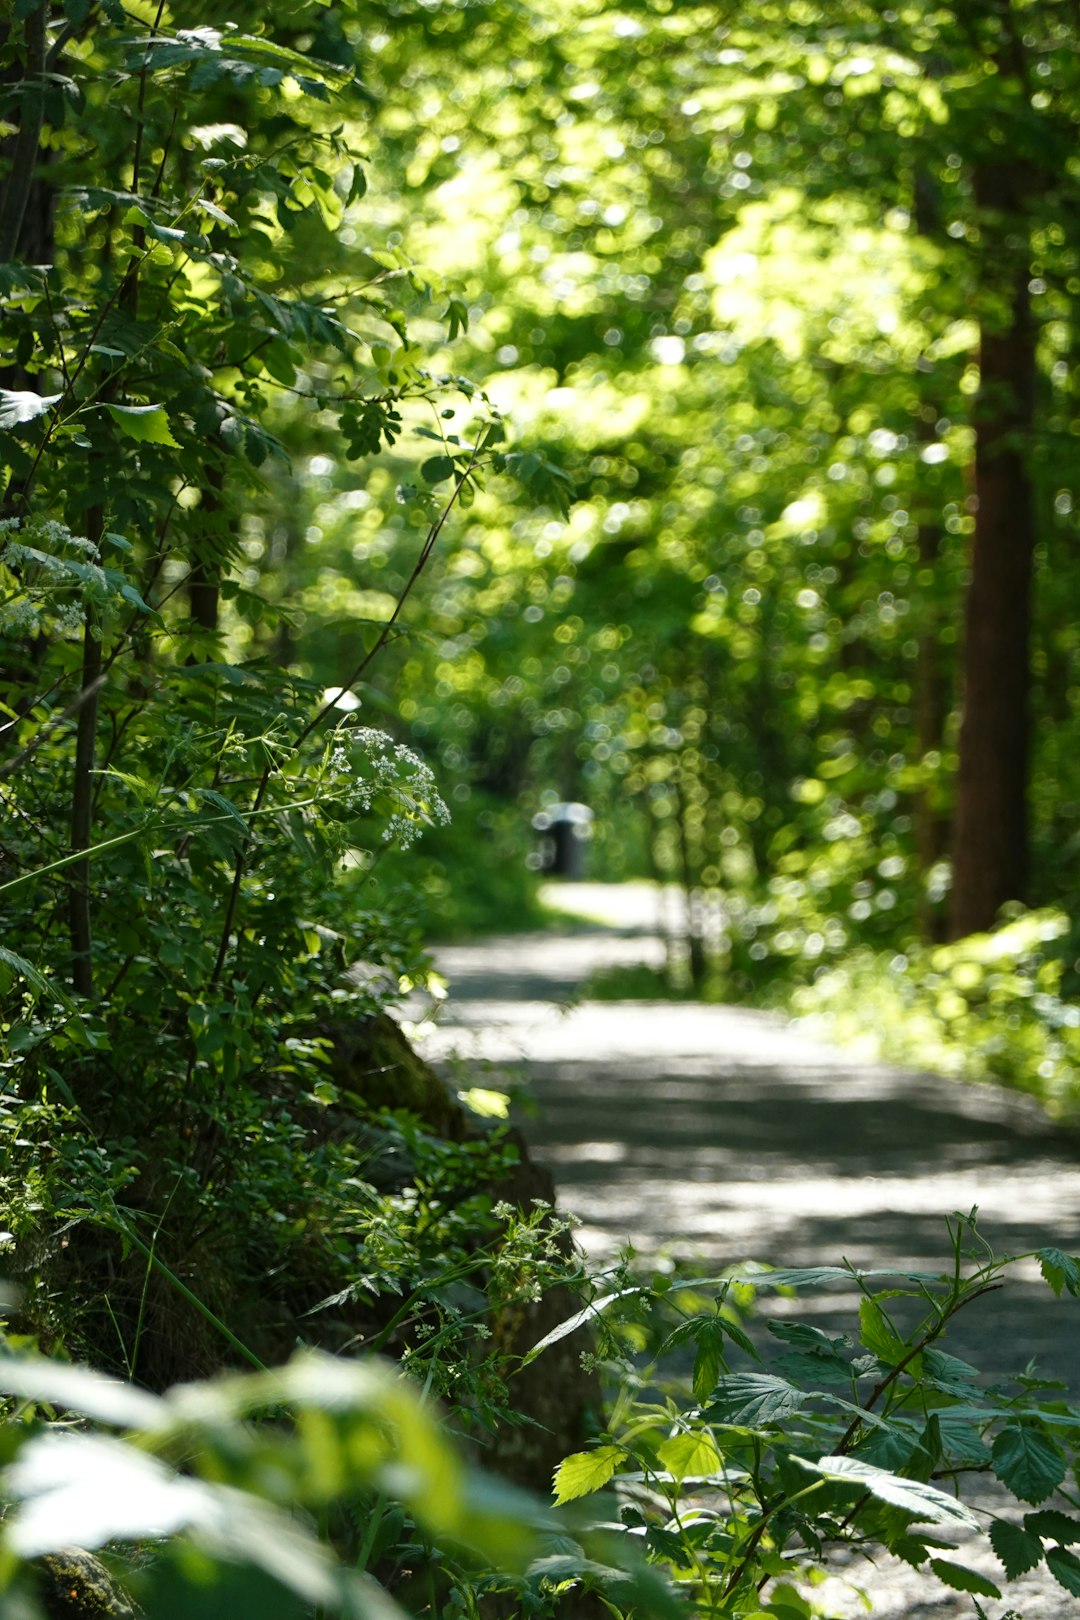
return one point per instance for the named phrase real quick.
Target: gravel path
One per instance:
(722, 1134)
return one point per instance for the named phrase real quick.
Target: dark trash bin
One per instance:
(565, 830)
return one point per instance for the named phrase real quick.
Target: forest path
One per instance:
(723, 1134)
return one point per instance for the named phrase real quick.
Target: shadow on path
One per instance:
(721, 1134)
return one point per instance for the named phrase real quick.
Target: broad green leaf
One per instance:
(751, 1400)
(572, 1323)
(585, 1471)
(147, 424)
(923, 1501)
(1028, 1462)
(689, 1454)
(812, 1276)
(437, 469)
(21, 405)
(962, 1579)
(1017, 1548)
(1065, 1568)
(810, 1371)
(1060, 1270)
(1051, 1524)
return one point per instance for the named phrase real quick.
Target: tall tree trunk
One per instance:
(991, 832)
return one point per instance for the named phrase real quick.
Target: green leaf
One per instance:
(1053, 1525)
(20, 405)
(962, 1579)
(687, 1454)
(1017, 1548)
(147, 424)
(585, 1471)
(811, 1276)
(572, 1323)
(437, 469)
(1065, 1568)
(879, 1335)
(922, 1501)
(214, 211)
(807, 1338)
(38, 981)
(1028, 1462)
(750, 1400)
(709, 1360)
(737, 1336)
(1060, 1270)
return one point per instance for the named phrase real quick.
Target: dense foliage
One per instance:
(778, 303)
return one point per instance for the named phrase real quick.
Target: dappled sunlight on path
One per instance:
(719, 1133)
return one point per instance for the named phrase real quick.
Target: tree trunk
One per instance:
(991, 833)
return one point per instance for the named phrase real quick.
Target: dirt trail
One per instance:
(726, 1134)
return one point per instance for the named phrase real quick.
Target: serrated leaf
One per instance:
(962, 1579)
(584, 1472)
(1065, 1568)
(21, 405)
(709, 1360)
(689, 1454)
(737, 1336)
(949, 1373)
(1017, 1548)
(1028, 1462)
(1060, 1270)
(749, 1400)
(913, 1496)
(802, 1367)
(1053, 1525)
(879, 1335)
(807, 1338)
(146, 424)
(962, 1443)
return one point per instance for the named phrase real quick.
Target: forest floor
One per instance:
(718, 1134)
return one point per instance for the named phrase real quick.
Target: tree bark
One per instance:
(990, 859)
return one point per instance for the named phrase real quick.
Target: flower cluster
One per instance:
(53, 572)
(373, 767)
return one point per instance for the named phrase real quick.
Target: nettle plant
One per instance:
(746, 1486)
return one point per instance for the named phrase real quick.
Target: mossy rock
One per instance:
(74, 1585)
(374, 1063)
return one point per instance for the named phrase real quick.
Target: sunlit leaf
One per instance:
(20, 405)
(585, 1471)
(923, 1501)
(147, 424)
